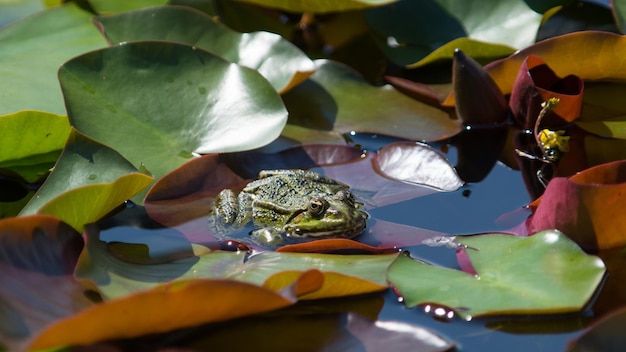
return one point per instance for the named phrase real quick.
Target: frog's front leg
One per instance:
(267, 237)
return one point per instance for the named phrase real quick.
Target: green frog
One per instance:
(290, 206)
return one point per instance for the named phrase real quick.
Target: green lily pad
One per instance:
(88, 181)
(338, 99)
(31, 51)
(167, 101)
(113, 277)
(32, 142)
(490, 29)
(106, 6)
(319, 6)
(281, 62)
(544, 273)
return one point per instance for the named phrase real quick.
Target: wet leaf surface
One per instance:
(283, 64)
(542, 274)
(150, 129)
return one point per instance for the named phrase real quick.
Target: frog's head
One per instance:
(336, 216)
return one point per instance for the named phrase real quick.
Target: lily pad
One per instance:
(542, 274)
(167, 101)
(113, 277)
(104, 6)
(587, 206)
(171, 306)
(319, 6)
(282, 63)
(338, 99)
(417, 164)
(38, 255)
(88, 181)
(61, 32)
(32, 142)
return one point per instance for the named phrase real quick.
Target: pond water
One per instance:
(494, 205)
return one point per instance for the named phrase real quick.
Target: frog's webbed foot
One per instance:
(267, 237)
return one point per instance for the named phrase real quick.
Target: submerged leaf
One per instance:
(282, 63)
(168, 100)
(544, 273)
(587, 207)
(88, 181)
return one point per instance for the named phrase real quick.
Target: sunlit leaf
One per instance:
(319, 6)
(88, 181)
(478, 50)
(282, 63)
(32, 142)
(168, 100)
(605, 64)
(544, 273)
(36, 265)
(418, 164)
(337, 99)
(587, 207)
(619, 10)
(171, 306)
(60, 33)
(104, 6)
(113, 277)
(14, 10)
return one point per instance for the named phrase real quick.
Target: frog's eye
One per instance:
(317, 207)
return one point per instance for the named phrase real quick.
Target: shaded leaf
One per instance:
(104, 6)
(606, 334)
(88, 181)
(171, 306)
(619, 11)
(337, 99)
(282, 63)
(226, 107)
(478, 99)
(319, 7)
(544, 273)
(61, 32)
(36, 265)
(417, 163)
(577, 16)
(587, 206)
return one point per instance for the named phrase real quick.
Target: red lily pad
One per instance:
(588, 207)
(536, 83)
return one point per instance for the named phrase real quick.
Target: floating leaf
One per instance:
(171, 306)
(226, 107)
(282, 63)
(36, 265)
(32, 142)
(113, 277)
(104, 6)
(587, 206)
(544, 273)
(417, 163)
(319, 7)
(88, 181)
(477, 50)
(337, 99)
(61, 33)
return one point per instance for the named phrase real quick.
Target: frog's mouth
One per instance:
(337, 226)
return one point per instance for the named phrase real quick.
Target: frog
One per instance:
(290, 206)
